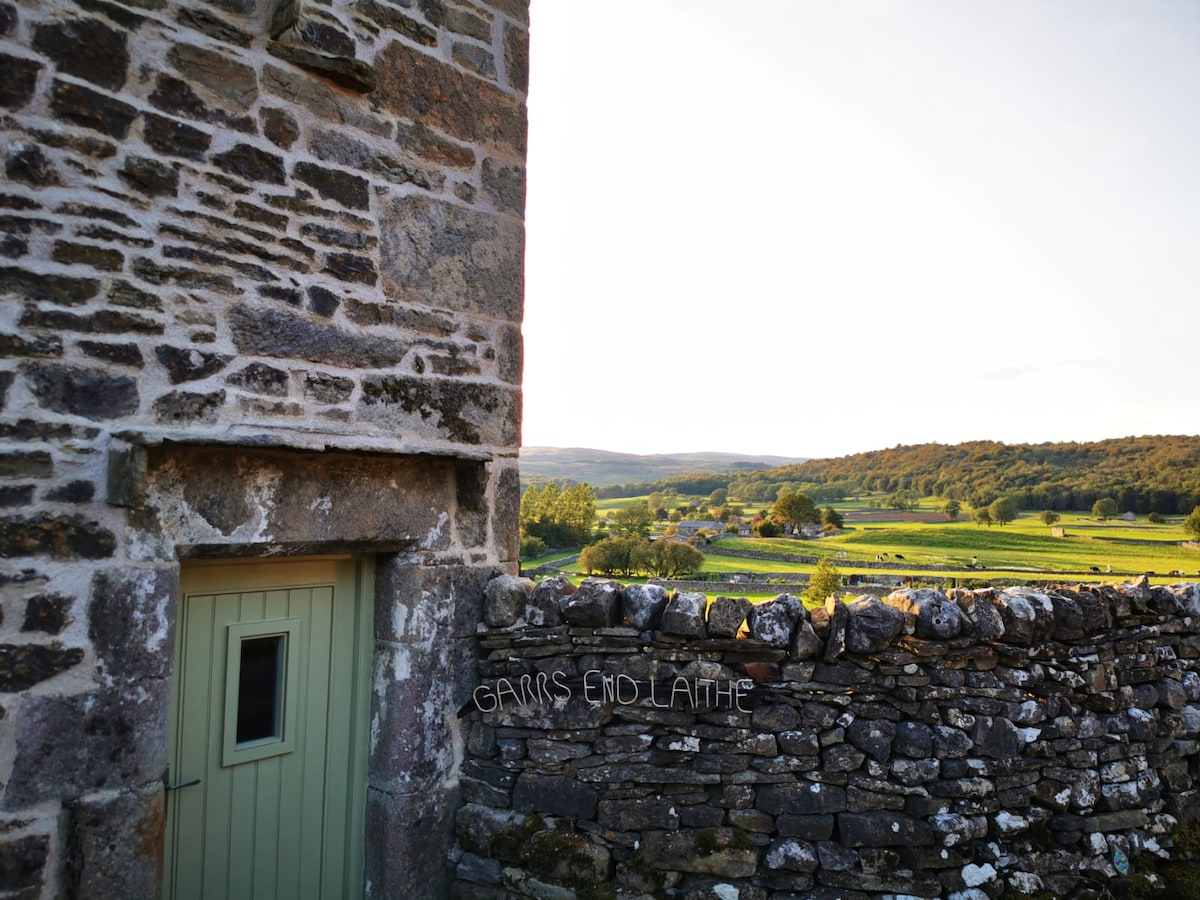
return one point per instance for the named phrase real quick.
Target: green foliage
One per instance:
(1156, 518)
(768, 529)
(636, 518)
(952, 508)
(831, 517)
(796, 509)
(669, 559)
(560, 517)
(825, 580)
(629, 555)
(718, 497)
(1049, 517)
(982, 516)
(902, 500)
(1002, 511)
(532, 547)
(1104, 508)
(1191, 525)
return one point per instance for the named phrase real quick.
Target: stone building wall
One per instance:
(983, 744)
(260, 295)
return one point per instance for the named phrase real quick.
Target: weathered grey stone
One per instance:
(92, 393)
(913, 739)
(23, 864)
(801, 798)
(397, 825)
(791, 855)
(228, 79)
(773, 621)
(252, 164)
(883, 828)
(597, 604)
(264, 331)
(129, 622)
(834, 636)
(18, 80)
(684, 615)
(871, 625)
(547, 600)
(505, 600)
(711, 851)
(726, 615)
(567, 858)
(189, 363)
(91, 109)
(872, 736)
(932, 614)
(116, 843)
(416, 86)
(47, 613)
(982, 614)
(643, 605)
(450, 257)
(60, 537)
(442, 409)
(110, 737)
(554, 795)
(1028, 615)
(86, 48)
(997, 737)
(24, 665)
(805, 643)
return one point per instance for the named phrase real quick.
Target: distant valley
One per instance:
(603, 467)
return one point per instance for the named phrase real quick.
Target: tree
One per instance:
(831, 517)
(669, 559)
(718, 497)
(561, 518)
(1049, 516)
(796, 509)
(767, 529)
(825, 580)
(635, 518)
(982, 516)
(952, 509)
(1104, 508)
(1002, 511)
(612, 556)
(1191, 525)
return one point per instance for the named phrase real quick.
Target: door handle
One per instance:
(168, 786)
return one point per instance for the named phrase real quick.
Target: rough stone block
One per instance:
(60, 537)
(397, 825)
(66, 746)
(23, 864)
(726, 616)
(419, 86)
(82, 106)
(116, 844)
(554, 795)
(684, 615)
(86, 48)
(24, 665)
(91, 393)
(449, 257)
(597, 604)
(129, 621)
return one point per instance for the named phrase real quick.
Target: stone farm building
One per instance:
(261, 270)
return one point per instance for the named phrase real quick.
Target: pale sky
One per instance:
(817, 228)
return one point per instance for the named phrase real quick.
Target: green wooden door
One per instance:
(269, 712)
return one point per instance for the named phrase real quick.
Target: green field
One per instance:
(1023, 549)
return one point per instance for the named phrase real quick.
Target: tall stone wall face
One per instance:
(982, 744)
(260, 294)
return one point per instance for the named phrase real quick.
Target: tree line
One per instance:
(1159, 474)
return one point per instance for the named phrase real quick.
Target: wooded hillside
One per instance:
(1143, 474)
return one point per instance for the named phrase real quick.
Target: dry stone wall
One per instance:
(260, 294)
(629, 742)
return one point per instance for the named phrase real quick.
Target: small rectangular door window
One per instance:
(260, 679)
